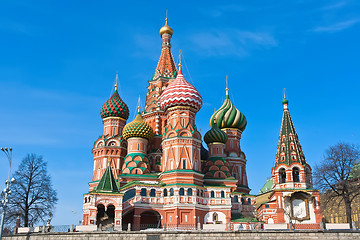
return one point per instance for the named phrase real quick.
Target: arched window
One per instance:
(282, 175)
(212, 194)
(236, 199)
(189, 192)
(231, 144)
(171, 192)
(249, 201)
(222, 194)
(113, 130)
(165, 192)
(152, 193)
(184, 164)
(138, 145)
(202, 193)
(143, 192)
(181, 192)
(242, 201)
(217, 150)
(295, 174)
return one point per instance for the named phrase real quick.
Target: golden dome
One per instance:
(166, 29)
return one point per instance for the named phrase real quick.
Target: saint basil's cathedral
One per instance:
(154, 170)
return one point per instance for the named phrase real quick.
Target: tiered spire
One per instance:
(289, 149)
(166, 66)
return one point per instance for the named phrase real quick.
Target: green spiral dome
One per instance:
(228, 116)
(138, 128)
(215, 135)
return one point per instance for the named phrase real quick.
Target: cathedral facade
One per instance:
(154, 171)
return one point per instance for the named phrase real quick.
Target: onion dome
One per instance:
(215, 135)
(228, 116)
(138, 128)
(285, 101)
(180, 93)
(115, 107)
(166, 29)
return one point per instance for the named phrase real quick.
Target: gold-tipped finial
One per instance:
(116, 81)
(284, 91)
(166, 28)
(227, 89)
(180, 65)
(138, 107)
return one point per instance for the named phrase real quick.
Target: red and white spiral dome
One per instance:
(180, 93)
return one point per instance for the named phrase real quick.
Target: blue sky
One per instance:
(59, 59)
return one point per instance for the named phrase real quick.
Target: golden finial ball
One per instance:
(166, 29)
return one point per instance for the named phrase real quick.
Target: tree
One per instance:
(337, 176)
(32, 197)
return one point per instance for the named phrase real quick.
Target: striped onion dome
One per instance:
(228, 116)
(180, 93)
(115, 107)
(138, 128)
(215, 135)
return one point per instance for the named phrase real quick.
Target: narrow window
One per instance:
(282, 175)
(165, 192)
(231, 144)
(181, 192)
(189, 192)
(152, 193)
(295, 173)
(185, 218)
(236, 199)
(212, 194)
(113, 130)
(222, 194)
(184, 164)
(171, 192)
(217, 150)
(138, 146)
(143, 192)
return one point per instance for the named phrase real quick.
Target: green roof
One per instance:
(107, 183)
(267, 186)
(355, 171)
(286, 146)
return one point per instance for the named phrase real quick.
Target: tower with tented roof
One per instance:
(289, 197)
(153, 114)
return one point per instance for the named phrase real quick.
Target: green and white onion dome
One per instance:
(228, 116)
(138, 128)
(215, 135)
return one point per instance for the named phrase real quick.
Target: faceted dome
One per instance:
(115, 107)
(138, 128)
(181, 93)
(215, 135)
(228, 116)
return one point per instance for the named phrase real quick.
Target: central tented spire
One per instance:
(166, 66)
(289, 149)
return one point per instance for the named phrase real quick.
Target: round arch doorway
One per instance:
(105, 217)
(150, 219)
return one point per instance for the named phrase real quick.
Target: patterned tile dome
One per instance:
(228, 116)
(115, 107)
(181, 93)
(138, 128)
(215, 135)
